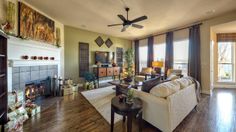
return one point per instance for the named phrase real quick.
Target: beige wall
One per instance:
(72, 38)
(205, 47)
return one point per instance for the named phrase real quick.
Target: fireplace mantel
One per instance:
(18, 47)
(18, 63)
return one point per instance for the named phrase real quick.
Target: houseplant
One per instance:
(90, 80)
(130, 96)
(129, 59)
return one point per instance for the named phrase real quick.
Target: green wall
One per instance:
(72, 38)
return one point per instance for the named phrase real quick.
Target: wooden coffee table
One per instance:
(124, 109)
(122, 87)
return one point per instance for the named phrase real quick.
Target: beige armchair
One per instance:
(173, 74)
(144, 74)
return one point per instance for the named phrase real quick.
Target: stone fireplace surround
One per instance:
(26, 74)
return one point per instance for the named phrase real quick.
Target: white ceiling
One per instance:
(95, 15)
(225, 28)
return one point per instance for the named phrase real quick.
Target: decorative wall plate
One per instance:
(99, 41)
(109, 43)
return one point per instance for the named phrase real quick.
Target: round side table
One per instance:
(126, 110)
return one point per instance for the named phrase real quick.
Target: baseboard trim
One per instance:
(225, 86)
(206, 92)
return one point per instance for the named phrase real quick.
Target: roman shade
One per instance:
(181, 35)
(160, 39)
(226, 37)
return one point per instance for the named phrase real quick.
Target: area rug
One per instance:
(101, 100)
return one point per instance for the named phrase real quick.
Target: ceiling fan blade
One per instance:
(114, 25)
(137, 26)
(122, 17)
(139, 19)
(123, 29)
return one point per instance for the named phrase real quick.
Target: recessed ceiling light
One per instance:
(210, 12)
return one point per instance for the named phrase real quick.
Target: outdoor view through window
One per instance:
(225, 61)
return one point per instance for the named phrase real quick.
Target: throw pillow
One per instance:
(173, 77)
(165, 89)
(149, 84)
(184, 82)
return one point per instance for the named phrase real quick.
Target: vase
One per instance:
(128, 79)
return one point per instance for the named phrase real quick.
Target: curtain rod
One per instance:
(173, 30)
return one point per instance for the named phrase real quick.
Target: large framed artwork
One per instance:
(35, 26)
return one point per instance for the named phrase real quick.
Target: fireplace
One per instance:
(37, 89)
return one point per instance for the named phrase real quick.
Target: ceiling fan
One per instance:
(126, 22)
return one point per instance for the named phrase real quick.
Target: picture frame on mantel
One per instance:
(58, 37)
(35, 26)
(10, 25)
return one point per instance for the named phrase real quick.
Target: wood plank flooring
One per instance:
(74, 114)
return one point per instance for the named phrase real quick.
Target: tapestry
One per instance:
(34, 25)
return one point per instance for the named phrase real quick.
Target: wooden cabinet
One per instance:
(110, 71)
(102, 72)
(106, 72)
(116, 71)
(3, 78)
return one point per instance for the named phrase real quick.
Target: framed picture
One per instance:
(10, 25)
(35, 26)
(99, 41)
(58, 36)
(109, 43)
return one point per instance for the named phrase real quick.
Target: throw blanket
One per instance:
(197, 87)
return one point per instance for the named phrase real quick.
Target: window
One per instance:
(159, 48)
(225, 61)
(143, 53)
(143, 57)
(159, 52)
(181, 55)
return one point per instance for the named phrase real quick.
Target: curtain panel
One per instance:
(194, 68)
(226, 37)
(150, 51)
(169, 52)
(136, 48)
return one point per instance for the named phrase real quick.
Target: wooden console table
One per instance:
(101, 72)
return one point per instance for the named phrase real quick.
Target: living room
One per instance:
(120, 65)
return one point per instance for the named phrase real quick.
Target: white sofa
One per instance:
(167, 113)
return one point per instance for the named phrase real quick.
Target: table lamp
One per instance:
(157, 65)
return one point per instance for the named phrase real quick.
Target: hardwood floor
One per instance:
(74, 113)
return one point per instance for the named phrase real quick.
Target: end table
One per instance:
(128, 110)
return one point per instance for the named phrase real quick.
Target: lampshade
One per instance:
(157, 64)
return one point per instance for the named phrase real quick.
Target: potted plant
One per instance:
(90, 80)
(130, 96)
(129, 59)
